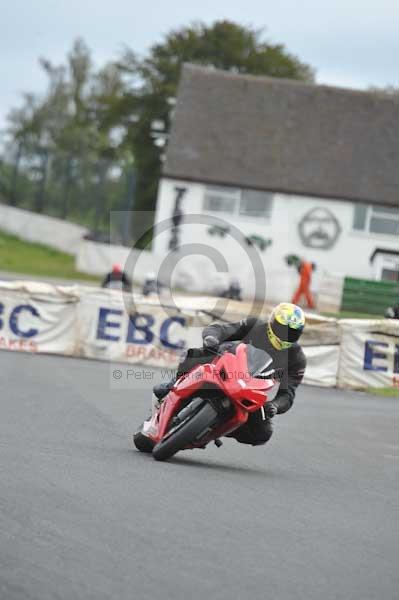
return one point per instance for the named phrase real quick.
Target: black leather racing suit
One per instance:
(290, 365)
(113, 278)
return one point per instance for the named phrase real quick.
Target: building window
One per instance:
(360, 217)
(238, 202)
(389, 275)
(221, 199)
(256, 204)
(376, 219)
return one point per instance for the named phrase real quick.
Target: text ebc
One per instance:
(376, 353)
(140, 328)
(14, 320)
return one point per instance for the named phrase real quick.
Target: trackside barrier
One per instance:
(369, 353)
(194, 274)
(96, 258)
(107, 325)
(329, 297)
(33, 227)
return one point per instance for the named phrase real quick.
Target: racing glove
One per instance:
(210, 342)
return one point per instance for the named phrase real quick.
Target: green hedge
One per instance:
(369, 296)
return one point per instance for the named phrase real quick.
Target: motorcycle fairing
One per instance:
(229, 373)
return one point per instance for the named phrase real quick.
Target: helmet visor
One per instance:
(285, 333)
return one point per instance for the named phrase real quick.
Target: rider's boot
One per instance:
(155, 405)
(159, 393)
(141, 441)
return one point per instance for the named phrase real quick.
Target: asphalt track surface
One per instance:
(312, 515)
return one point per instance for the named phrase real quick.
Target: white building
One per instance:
(271, 167)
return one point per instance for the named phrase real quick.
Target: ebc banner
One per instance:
(30, 324)
(369, 354)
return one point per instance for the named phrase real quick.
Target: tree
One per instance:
(63, 142)
(26, 128)
(67, 145)
(390, 91)
(154, 79)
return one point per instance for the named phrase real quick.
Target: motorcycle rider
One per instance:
(279, 338)
(117, 279)
(392, 312)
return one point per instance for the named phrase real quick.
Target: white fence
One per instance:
(196, 274)
(330, 293)
(108, 325)
(97, 259)
(42, 229)
(192, 273)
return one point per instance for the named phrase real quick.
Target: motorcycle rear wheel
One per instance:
(187, 433)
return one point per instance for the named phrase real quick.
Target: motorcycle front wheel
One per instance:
(186, 433)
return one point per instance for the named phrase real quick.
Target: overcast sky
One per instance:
(350, 43)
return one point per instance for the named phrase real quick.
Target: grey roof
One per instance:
(280, 135)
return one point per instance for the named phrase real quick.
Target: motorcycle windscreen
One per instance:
(258, 360)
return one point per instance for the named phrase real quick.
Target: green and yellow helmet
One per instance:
(285, 325)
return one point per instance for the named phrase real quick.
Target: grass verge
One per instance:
(388, 392)
(19, 256)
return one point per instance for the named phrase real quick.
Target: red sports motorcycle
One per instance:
(210, 401)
